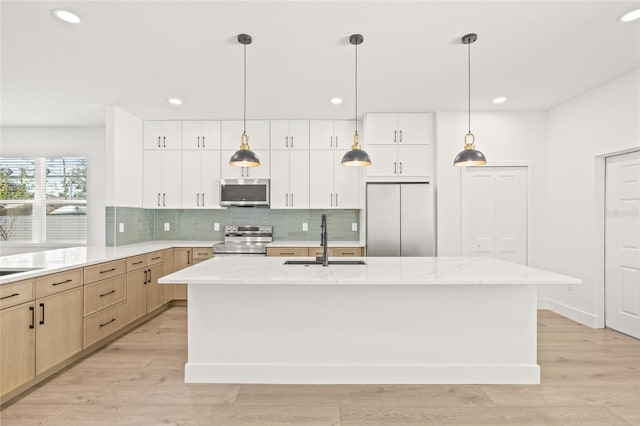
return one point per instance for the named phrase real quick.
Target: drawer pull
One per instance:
(135, 263)
(287, 253)
(108, 322)
(203, 254)
(11, 295)
(108, 293)
(33, 317)
(63, 282)
(344, 252)
(155, 258)
(108, 270)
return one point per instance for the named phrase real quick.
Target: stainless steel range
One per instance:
(245, 239)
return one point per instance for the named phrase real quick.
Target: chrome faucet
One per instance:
(323, 241)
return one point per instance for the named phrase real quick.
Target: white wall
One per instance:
(601, 121)
(123, 134)
(66, 141)
(505, 138)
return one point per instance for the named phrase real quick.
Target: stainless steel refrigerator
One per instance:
(400, 219)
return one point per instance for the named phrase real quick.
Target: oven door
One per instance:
(244, 192)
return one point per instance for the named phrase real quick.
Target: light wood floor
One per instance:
(589, 377)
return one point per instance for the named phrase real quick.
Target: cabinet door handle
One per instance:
(11, 295)
(400, 135)
(164, 197)
(188, 257)
(158, 199)
(203, 199)
(331, 141)
(33, 317)
(395, 133)
(42, 320)
(198, 141)
(159, 137)
(291, 141)
(63, 282)
(107, 293)
(286, 200)
(108, 322)
(164, 141)
(401, 165)
(332, 199)
(145, 277)
(286, 141)
(149, 276)
(198, 199)
(203, 145)
(336, 199)
(292, 199)
(108, 270)
(395, 168)
(336, 141)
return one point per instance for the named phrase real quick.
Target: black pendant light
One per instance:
(470, 156)
(357, 156)
(244, 157)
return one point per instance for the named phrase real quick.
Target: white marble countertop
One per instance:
(316, 243)
(377, 271)
(51, 261)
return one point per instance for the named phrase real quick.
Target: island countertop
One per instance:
(377, 271)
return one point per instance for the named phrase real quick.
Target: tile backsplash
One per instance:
(147, 224)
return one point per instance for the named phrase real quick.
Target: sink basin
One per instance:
(319, 262)
(9, 271)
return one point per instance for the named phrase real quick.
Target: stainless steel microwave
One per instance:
(244, 192)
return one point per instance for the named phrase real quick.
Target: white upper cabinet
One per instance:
(399, 161)
(162, 179)
(331, 134)
(332, 185)
(200, 135)
(257, 130)
(405, 128)
(290, 179)
(162, 134)
(263, 171)
(201, 179)
(290, 134)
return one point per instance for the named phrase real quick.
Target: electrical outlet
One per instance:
(121, 227)
(354, 226)
(305, 226)
(216, 226)
(167, 226)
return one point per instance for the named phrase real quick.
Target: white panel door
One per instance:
(413, 161)
(622, 244)
(384, 161)
(210, 135)
(260, 172)
(172, 179)
(191, 178)
(299, 134)
(280, 193)
(258, 131)
(382, 128)
(346, 184)
(321, 164)
(321, 134)
(495, 213)
(343, 131)
(152, 134)
(152, 179)
(415, 129)
(280, 134)
(210, 189)
(299, 179)
(191, 135)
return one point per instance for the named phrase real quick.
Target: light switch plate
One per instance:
(167, 226)
(216, 226)
(354, 226)
(121, 227)
(305, 226)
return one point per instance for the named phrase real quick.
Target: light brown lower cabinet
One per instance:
(17, 346)
(184, 257)
(58, 328)
(316, 251)
(154, 297)
(105, 322)
(166, 290)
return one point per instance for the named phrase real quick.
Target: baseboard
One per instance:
(570, 312)
(362, 373)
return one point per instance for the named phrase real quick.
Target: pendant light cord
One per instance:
(356, 77)
(244, 106)
(469, 63)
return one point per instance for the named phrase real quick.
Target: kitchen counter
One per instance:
(393, 320)
(316, 243)
(51, 261)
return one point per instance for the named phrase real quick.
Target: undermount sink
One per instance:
(319, 262)
(9, 271)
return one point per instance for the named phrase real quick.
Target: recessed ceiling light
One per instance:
(66, 16)
(336, 101)
(630, 16)
(499, 100)
(174, 101)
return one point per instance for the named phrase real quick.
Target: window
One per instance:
(43, 199)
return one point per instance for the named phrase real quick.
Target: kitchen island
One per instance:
(393, 320)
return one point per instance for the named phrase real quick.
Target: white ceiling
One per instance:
(136, 54)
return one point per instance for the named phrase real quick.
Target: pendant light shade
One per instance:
(244, 157)
(357, 157)
(470, 156)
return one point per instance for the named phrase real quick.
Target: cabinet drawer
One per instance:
(317, 251)
(348, 251)
(154, 257)
(202, 253)
(55, 283)
(104, 270)
(16, 293)
(287, 251)
(104, 293)
(137, 262)
(104, 323)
